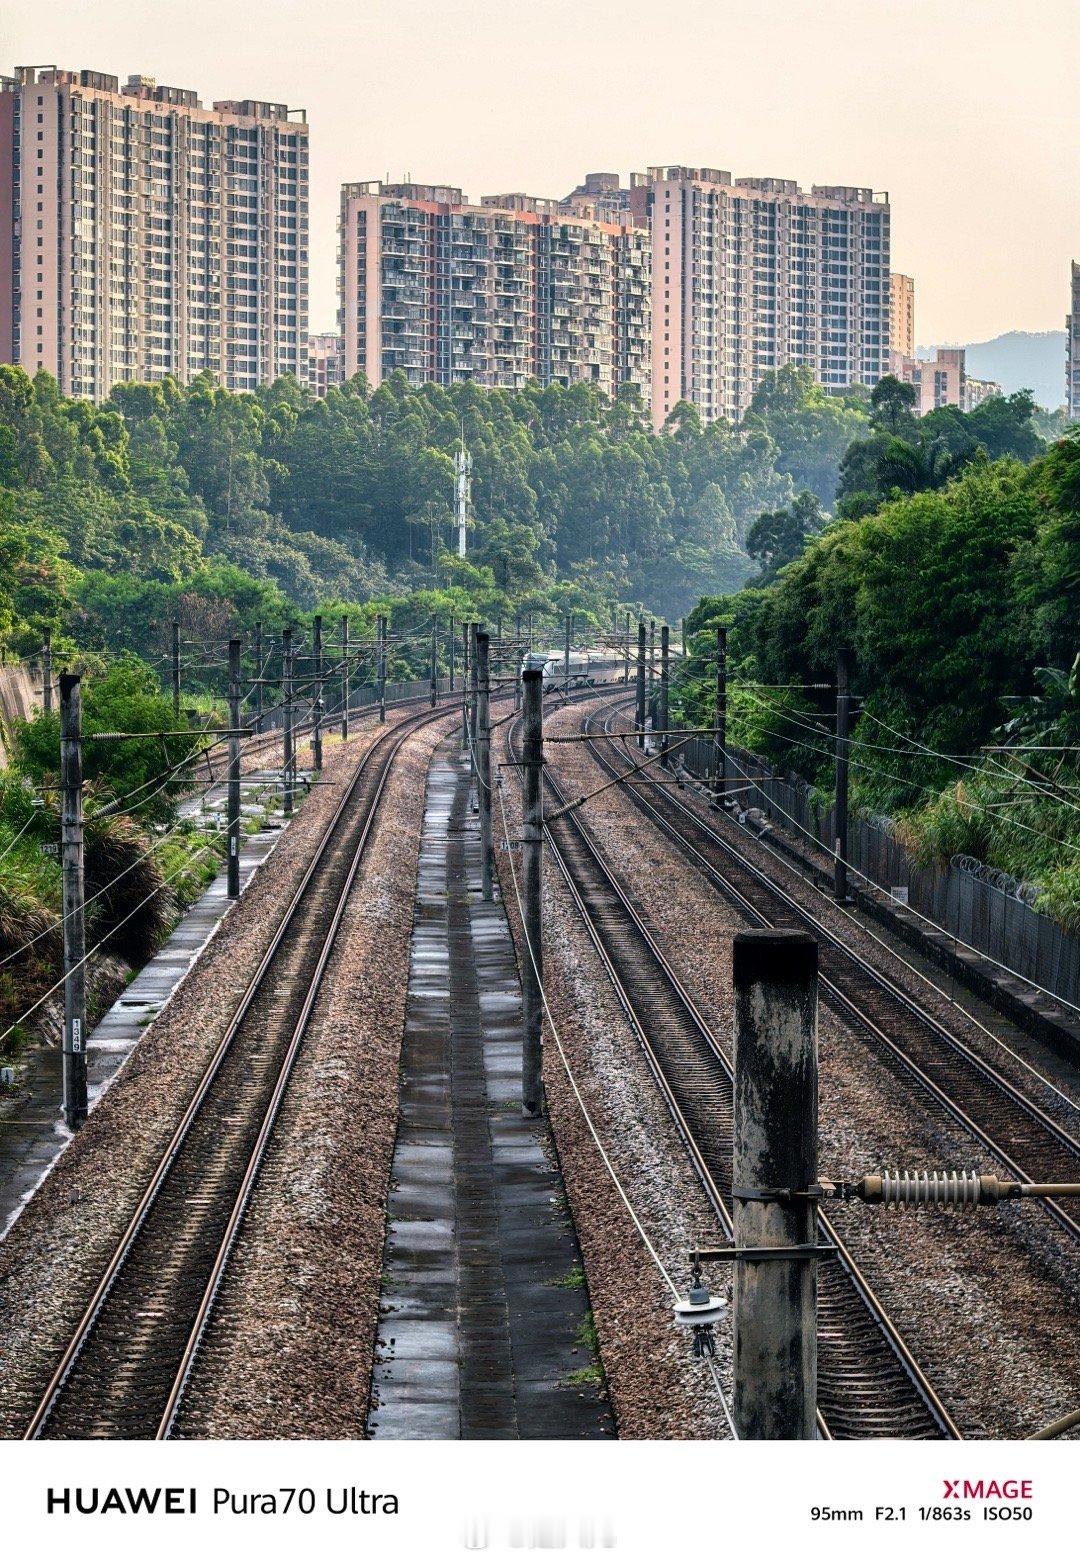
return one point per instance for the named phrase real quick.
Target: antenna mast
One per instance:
(463, 468)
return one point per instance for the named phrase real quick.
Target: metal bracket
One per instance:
(806, 1253)
(782, 1194)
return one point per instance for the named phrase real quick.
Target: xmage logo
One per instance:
(987, 1489)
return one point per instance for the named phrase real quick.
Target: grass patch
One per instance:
(588, 1376)
(575, 1279)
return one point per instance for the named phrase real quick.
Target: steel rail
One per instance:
(928, 1401)
(845, 1002)
(395, 736)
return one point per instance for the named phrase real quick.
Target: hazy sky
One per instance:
(966, 111)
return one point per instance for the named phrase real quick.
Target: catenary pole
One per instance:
(720, 718)
(344, 677)
(466, 631)
(381, 658)
(47, 673)
(639, 714)
(288, 778)
(566, 660)
(843, 717)
(483, 757)
(175, 658)
(474, 695)
(453, 651)
(775, 1150)
(532, 837)
(258, 677)
(665, 668)
(73, 900)
(233, 804)
(317, 703)
(434, 681)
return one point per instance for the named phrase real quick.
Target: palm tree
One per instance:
(915, 468)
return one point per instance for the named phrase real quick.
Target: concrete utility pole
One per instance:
(287, 774)
(234, 770)
(665, 653)
(474, 700)
(466, 632)
(73, 900)
(483, 759)
(566, 660)
(639, 713)
(47, 673)
(453, 651)
(682, 626)
(532, 838)
(626, 670)
(381, 660)
(434, 663)
(258, 677)
(317, 702)
(344, 677)
(176, 673)
(720, 719)
(652, 674)
(775, 1150)
(843, 717)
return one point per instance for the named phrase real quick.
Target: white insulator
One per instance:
(931, 1189)
(700, 1309)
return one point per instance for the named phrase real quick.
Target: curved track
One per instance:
(1029, 1143)
(124, 1370)
(869, 1385)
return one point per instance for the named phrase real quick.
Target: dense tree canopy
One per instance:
(959, 606)
(351, 497)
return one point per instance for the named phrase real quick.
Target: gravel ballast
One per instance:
(288, 1352)
(657, 1388)
(983, 1301)
(55, 1253)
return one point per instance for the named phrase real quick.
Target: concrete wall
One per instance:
(20, 697)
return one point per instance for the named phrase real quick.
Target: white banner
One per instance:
(635, 1499)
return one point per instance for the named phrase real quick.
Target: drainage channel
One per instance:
(483, 1327)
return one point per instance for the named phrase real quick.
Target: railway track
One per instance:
(124, 1370)
(1028, 1142)
(869, 1384)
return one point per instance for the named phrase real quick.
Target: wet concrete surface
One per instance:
(32, 1131)
(483, 1312)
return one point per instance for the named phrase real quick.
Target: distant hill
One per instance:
(1019, 360)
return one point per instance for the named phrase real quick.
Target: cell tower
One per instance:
(463, 468)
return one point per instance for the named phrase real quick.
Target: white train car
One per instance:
(586, 666)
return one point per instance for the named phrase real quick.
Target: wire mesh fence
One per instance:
(987, 910)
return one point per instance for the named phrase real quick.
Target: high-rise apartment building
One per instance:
(499, 293)
(901, 316)
(1072, 348)
(143, 235)
(325, 363)
(943, 380)
(751, 274)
